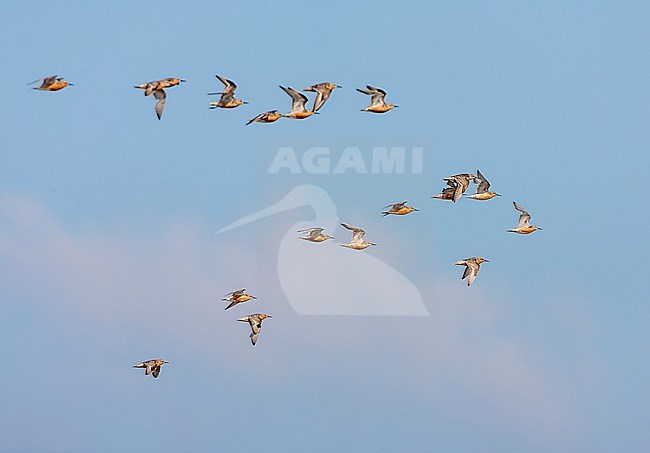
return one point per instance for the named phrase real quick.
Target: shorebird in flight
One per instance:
(267, 117)
(472, 266)
(461, 181)
(323, 91)
(483, 191)
(377, 101)
(156, 87)
(399, 209)
(315, 235)
(448, 192)
(298, 109)
(151, 367)
(237, 297)
(255, 321)
(357, 242)
(227, 99)
(51, 83)
(524, 226)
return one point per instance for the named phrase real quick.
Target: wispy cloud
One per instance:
(167, 283)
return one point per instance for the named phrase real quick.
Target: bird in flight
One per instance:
(267, 117)
(227, 99)
(377, 100)
(461, 182)
(399, 209)
(524, 226)
(298, 102)
(315, 235)
(483, 191)
(237, 297)
(156, 87)
(448, 192)
(151, 367)
(51, 83)
(255, 321)
(472, 266)
(357, 242)
(323, 92)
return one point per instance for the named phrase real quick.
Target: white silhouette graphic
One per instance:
(325, 279)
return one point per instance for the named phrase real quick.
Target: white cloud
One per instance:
(457, 361)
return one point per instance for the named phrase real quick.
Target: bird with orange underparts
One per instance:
(227, 99)
(472, 266)
(461, 183)
(51, 83)
(156, 87)
(314, 235)
(448, 192)
(357, 242)
(152, 367)
(323, 92)
(237, 297)
(483, 191)
(267, 117)
(377, 100)
(399, 209)
(524, 226)
(298, 103)
(255, 321)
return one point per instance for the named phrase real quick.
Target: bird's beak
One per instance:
(540, 228)
(339, 86)
(415, 209)
(486, 261)
(269, 316)
(396, 106)
(253, 297)
(183, 80)
(70, 84)
(166, 362)
(498, 195)
(245, 102)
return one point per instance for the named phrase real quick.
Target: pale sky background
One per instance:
(107, 217)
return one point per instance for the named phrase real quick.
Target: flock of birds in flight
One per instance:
(457, 184)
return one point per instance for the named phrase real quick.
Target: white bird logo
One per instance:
(325, 280)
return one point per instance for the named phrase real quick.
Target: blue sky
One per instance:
(109, 257)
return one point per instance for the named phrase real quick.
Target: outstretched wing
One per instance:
(484, 184)
(357, 233)
(261, 116)
(396, 206)
(322, 95)
(230, 86)
(256, 325)
(298, 99)
(47, 81)
(161, 96)
(256, 119)
(524, 218)
(378, 96)
(473, 269)
(238, 293)
(315, 232)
